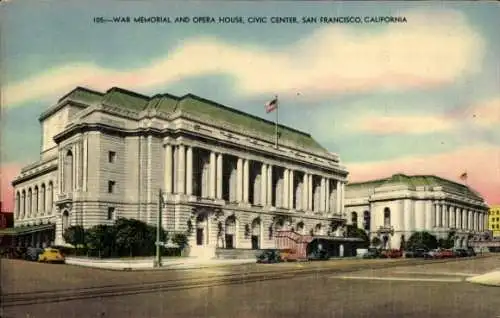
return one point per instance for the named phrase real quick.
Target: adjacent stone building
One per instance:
(393, 208)
(108, 155)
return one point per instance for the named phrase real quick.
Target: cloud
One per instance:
(485, 113)
(382, 125)
(7, 173)
(482, 164)
(425, 52)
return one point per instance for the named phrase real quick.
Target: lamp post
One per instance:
(158, 229)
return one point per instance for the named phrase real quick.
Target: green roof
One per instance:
(198, 108)
(417, 181)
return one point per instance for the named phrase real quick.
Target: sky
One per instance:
(421, 97)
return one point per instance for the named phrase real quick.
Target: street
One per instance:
(318, 289)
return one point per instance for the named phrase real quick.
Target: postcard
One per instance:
(249, 159)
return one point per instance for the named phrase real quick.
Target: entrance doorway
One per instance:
(199, 236)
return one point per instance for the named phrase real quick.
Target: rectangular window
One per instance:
(111, 156)
(111, 213)
(111, 186)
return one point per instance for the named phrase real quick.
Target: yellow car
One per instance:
(51, 255)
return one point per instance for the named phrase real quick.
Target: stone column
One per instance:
(269, 185)
(322, 195)
(291, 192)
(452, 216)
(446, 213)
(484, 221)
(286, 188)
(469, 220)
(181, 169)
(219, 176)
(76, 166)
(189, 170)
(61, 173)
(408, 219)
(428, 215)
(464, 219)
(438, 215)
(213, 172)
(168, 169)
(310, 193)
(239, 180)
(338, 208)
(327, 194)
(305, 195)
(263, 184)
(84, 162)
(73, 166)
(246, 180)
(342, 193)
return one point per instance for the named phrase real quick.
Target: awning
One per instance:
(14, 231)
(339, 238)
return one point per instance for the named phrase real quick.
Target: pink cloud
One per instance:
(482, 164)
(7, 173)
(403, 124)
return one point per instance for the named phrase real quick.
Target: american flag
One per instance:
(272, 105)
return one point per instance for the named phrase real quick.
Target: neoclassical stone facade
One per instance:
(108, 155)
(394, 208)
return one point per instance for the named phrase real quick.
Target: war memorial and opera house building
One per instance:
(395, 207)
(223, 181)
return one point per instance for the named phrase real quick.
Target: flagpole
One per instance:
(276, 123)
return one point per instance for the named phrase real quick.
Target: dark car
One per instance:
(373, 253)
(32, 253)
(470, 252)
(319, 255)
(269, 257)
(460, 252)
(416, 253)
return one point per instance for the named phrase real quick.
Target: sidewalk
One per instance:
(148, 263)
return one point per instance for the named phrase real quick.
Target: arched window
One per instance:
(68, 172)
(387, 217)
(354, 219)
(366, 221)
(42, 198)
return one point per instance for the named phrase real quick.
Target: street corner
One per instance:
(488, 279)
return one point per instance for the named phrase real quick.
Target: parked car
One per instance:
(470, 252)
(269, 256)
(32, 253)
(436, 253)
(392, 253)
(288, 254)
(51, 255)
(460, 252)
(373, 253)
(447, 254)
(416, 253)
(318, 255)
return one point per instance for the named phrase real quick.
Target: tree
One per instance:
(422, 240)
(355, 232)
(180, 239)
(100, 237)
(136, 237)
(376, 241)
(75, 235)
